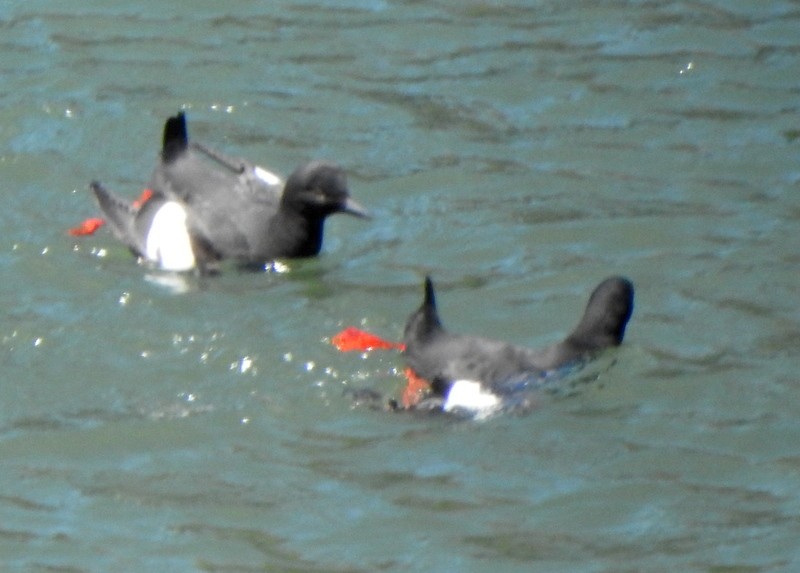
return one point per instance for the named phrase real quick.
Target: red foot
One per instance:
(415, 389)
(352, 338)
(88, 227)
(143, 198)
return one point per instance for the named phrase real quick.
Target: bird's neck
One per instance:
(296, 235)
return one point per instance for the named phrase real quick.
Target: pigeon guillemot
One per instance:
(206, 207)
(471, 373)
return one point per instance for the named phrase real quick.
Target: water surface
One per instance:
(519, 152)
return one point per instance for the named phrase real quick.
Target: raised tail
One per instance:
(424, 322)
(176, 138)
(431, 321)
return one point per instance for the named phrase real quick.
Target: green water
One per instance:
(518, 152)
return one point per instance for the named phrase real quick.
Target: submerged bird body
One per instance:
(445, 359)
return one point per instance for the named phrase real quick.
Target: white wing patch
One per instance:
(168, 242)
(470, 396)
(267, 177)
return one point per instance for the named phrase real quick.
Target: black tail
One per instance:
(430, 296)
(176, 138)
(423, 322)
(428, 308)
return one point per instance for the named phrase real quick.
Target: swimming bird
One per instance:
(473, 373)
(206, 206)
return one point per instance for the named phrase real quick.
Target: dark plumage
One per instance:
(442, 358)
(233, 208)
